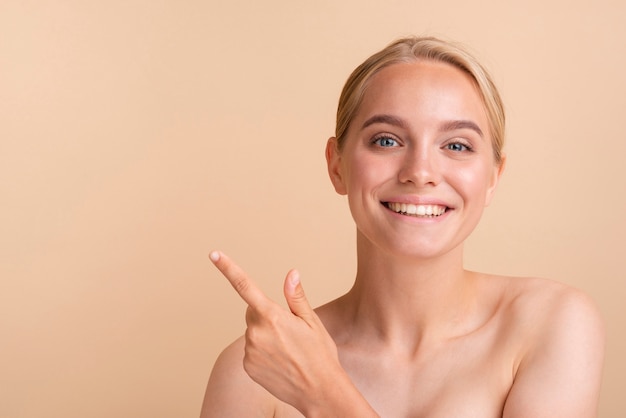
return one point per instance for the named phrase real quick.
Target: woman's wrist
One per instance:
(339, 398)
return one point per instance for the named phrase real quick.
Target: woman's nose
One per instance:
(420, 168)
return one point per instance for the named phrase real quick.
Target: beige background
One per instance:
(135, 136)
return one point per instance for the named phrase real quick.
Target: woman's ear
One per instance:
(333, 160)
(497, 173)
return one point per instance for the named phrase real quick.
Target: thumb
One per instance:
(296, 299)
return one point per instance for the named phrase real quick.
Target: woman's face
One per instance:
(417, 165)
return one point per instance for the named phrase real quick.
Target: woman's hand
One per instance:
(290, 353)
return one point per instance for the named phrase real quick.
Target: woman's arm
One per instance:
(560, 374)
(290, 354)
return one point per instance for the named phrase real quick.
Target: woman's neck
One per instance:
(407, 300)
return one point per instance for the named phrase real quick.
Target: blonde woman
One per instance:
(418, 153)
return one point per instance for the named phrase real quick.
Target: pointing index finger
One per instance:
(239, 280)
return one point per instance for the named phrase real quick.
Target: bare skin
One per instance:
(417, 335)
(532, 347)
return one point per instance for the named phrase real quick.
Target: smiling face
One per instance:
(418, 164)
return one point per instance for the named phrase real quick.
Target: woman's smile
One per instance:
(421, 211)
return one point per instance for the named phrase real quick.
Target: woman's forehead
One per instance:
(422, 89)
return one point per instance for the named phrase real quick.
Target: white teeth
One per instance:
(417, 210)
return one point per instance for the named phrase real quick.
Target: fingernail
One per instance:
(214, 256)
(295, 278)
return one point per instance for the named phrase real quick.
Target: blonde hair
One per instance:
(412, 49)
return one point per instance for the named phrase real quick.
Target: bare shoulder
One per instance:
(547, 306)
(559, 369)
(231, 392)
(547, 314)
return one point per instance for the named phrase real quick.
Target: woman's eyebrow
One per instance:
(388, 119)
(446, 126)
(461, 124)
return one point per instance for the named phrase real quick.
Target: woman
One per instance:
(418, 152)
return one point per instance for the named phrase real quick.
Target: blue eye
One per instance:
(458, 147)
(386, 142)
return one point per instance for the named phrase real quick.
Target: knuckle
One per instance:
(241, 284)
(264, 312)
(250, 316)
(274, 318)
(299, 296)
(251, 337)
